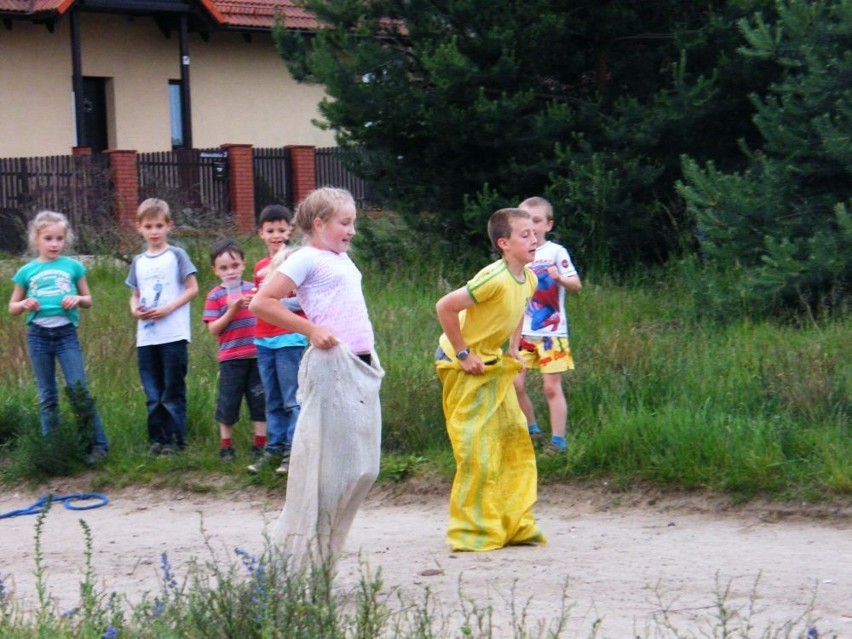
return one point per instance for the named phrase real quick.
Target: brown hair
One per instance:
(153, 207)
(320, 204)
(500, 225)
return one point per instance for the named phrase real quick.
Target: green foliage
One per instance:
(784, 220)
(461, 108)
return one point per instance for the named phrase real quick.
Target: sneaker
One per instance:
(267, 460)
(96, 456)
(551, 450)
(256, 452)
(537, 438)
(227, 454)
(156, 449)
(167, 450)
(284, 466)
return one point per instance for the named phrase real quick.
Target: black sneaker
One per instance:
(96, 456)
(227, 454)
(267, 460)
(284, 466)
(256, 452)
(156, 449)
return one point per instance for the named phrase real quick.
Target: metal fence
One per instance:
(273, 177)
(78, 186)
(190, 180)
(331, 171)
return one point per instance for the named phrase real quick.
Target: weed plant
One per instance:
(250, 596)
(661, 393)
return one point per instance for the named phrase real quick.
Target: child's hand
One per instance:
(70, 301)
(322, 337)
(245, 299)
(30, 304)
(156, 313)
(553, 272)
(472, 365)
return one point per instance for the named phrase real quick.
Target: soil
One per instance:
(622, 561)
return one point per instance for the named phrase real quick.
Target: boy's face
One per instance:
(154, 230)
(541, 224)
(520, 246)
(275, 234)
(229, 266)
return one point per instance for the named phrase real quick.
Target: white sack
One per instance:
(335, 455)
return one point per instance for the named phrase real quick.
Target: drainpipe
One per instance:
(77, 80)
(186, 107)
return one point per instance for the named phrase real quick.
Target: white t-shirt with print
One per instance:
(159, 280)
(545, 315)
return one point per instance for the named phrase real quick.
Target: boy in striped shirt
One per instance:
(227, 316)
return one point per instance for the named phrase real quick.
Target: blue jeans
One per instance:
(279, 370)
(46, 346)
(162, 368)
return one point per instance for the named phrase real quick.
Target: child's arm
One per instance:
(267, 305)
(448, 309)
(190, 290)
(18, 303)
(136, 309)
(83, 299)
(218, 325)
(570, 283)
(515, 342)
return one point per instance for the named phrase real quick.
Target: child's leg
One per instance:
(175, 366)
(523, 398)
(556, 403)
(255, 399)
(287, 362)
(73, 369)
(151, 374)
(42, 359)
(275, 417)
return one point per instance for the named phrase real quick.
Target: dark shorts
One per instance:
(239, 378)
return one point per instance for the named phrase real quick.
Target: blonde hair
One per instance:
(44, 219)
(282, 254)
(154, 207)
(537, 202)
(320, 204)
(500, 225)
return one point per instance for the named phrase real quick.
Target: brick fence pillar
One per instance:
(241, 185)
(125, 180)
(304, 167)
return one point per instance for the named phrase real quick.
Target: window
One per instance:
(176, 113)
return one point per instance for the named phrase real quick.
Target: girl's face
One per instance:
(336, 233)
(50, 242)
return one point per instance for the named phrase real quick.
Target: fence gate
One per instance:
(194, 182)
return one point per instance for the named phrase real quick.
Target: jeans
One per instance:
(162, 369)
(279, 370)
(46, 345)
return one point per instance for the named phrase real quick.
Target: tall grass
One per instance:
(658, 394)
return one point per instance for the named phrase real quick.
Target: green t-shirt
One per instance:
(48, 283)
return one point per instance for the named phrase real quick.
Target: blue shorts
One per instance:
(240, 378)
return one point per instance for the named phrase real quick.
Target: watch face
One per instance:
(462, 355)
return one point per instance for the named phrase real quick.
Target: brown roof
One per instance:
(260, 14)
(247, 14)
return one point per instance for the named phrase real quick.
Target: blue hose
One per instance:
(67, 500)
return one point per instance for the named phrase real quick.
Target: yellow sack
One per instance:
(495, 486)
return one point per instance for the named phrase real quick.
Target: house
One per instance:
(150, 75)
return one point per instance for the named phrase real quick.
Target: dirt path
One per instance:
(624, 558)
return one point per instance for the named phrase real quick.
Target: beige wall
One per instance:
(241, 91)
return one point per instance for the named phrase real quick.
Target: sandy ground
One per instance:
(620, 559)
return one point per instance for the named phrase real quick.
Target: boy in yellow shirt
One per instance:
(495, 484)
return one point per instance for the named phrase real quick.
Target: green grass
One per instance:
(658, 396)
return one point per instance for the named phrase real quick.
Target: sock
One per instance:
(260, 441)
(227, 443)
(534, 429)
(559, 442)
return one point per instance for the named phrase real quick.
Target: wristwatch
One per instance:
(462, 354)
